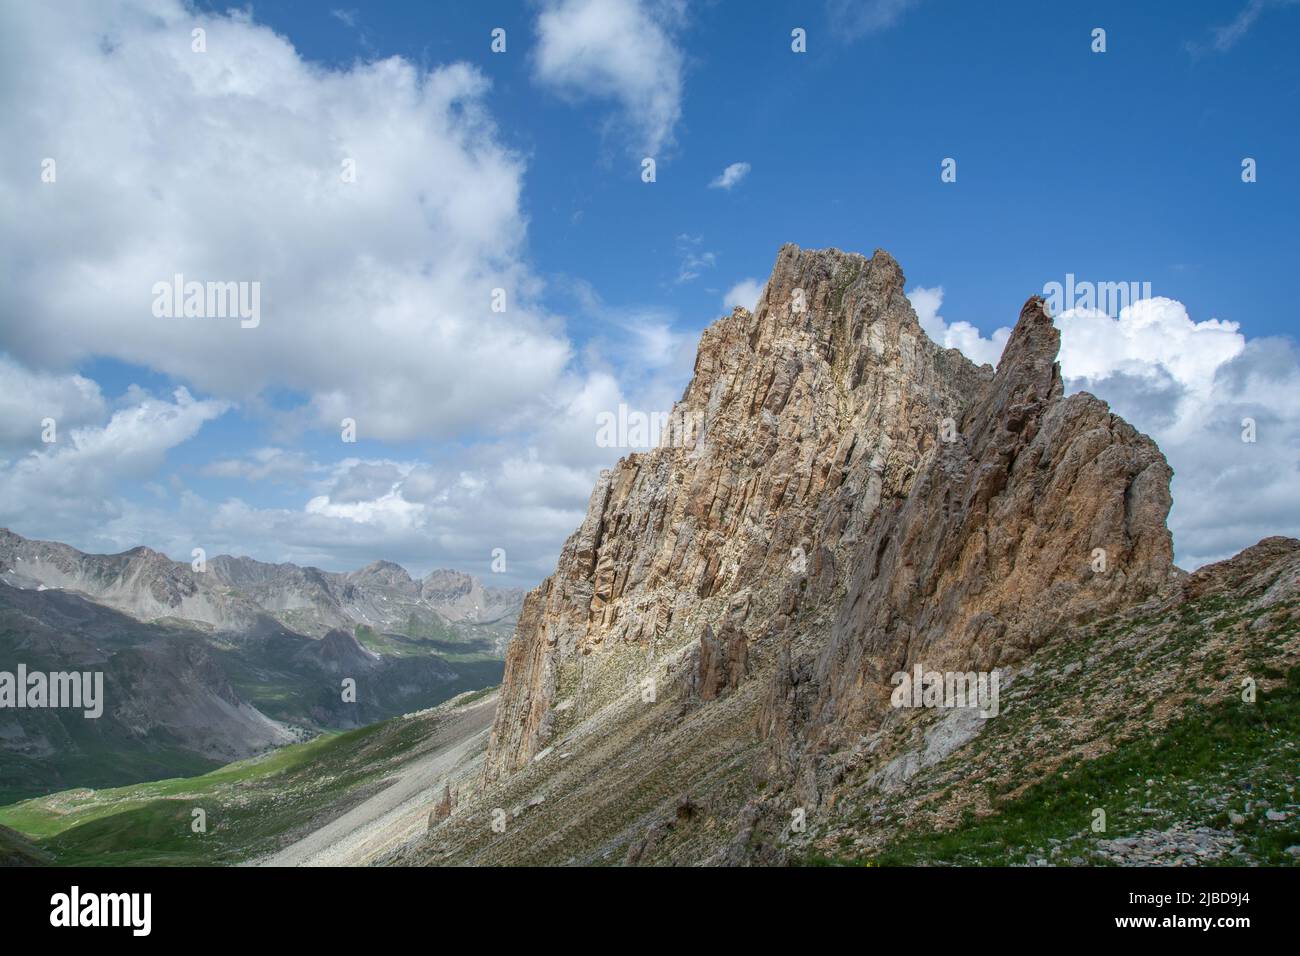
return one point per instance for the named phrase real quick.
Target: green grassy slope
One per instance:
(1200, 763)
(252, 807)
(1142, 716)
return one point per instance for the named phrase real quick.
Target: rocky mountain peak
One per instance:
(856, 498)
(821, 303)
(385, 571)
(447, 583)
(810, 413)
(1039, 511)
(1028, 369)
(1034, 343)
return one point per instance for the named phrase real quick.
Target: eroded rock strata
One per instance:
(706, 677)
(933, 509)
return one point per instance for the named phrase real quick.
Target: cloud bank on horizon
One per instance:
(378, 297)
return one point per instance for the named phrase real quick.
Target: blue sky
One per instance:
(523, 169)
(1122, 164)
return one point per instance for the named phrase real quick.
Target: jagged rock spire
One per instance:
(821, 468)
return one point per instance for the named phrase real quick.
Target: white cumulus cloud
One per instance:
(234, 165)
(621, 50)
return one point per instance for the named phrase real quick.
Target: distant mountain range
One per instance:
(202, 667)
(235, 594)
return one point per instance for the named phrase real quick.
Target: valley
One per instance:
(201, 668)
(282, 807)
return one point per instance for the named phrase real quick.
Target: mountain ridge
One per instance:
(149, 585)
(721, 630)
(818, 412)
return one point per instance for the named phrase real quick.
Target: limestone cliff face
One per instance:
(806, 415)
(1040, 511)
(851, 498)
